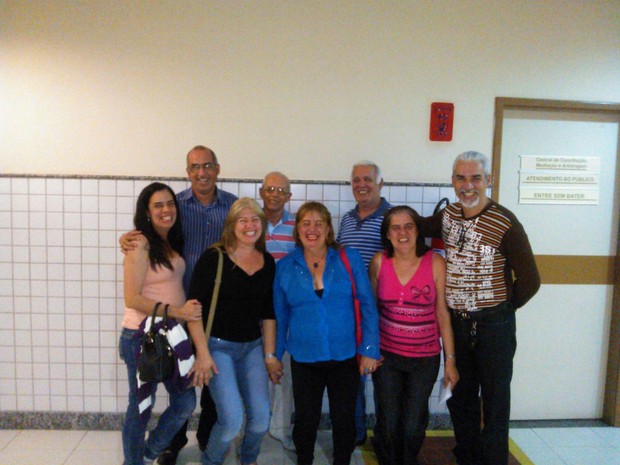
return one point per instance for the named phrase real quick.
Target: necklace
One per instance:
(315, 267)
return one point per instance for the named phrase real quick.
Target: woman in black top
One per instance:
(232, 361)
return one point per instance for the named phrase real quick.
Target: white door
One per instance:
(563, 333)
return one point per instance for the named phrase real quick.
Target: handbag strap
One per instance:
(347, 265)
(153, 317)
(216, 291)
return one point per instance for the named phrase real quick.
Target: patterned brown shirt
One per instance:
(482, 254)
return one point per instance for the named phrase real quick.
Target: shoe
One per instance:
(286, 441)
(167, 457)
(147, 461)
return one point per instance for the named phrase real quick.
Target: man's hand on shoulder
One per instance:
(132, 240)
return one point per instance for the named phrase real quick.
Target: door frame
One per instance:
(610, 266)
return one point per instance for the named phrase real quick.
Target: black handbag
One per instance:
(156, 360)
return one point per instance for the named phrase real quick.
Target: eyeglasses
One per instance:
(196, 167)
(272, 189)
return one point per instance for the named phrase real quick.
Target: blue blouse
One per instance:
(314, 329)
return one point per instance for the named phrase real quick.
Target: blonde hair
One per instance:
(228, 242)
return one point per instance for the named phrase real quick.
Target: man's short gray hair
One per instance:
(379, 177)
(474, 156)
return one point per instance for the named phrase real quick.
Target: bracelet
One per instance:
(270, 355)
(449, 356)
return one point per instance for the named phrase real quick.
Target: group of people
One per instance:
(285, 320)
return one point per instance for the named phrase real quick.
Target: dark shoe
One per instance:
(167, 457)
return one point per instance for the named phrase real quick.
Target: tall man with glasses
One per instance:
(203, 209)
(276, 193)
(491, 273)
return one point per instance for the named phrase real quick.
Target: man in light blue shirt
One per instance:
(276, 193)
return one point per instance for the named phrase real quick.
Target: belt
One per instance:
(483, 312)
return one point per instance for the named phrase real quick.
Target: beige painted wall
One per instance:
(306, 87)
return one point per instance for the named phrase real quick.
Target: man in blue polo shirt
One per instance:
(276, 193)
(360, 228)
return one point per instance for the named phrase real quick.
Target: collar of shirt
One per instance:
(384, 206)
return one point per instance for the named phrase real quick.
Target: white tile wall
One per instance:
(61, 283)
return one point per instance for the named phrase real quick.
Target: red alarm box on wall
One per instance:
(442, 120)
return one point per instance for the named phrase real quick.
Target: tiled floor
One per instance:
(542, 446)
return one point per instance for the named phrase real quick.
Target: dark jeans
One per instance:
(309, 382)
(403, 386)
(485, 368)
(208, 417)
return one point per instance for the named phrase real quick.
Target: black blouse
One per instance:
(243, 300)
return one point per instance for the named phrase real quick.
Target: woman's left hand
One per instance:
(369, 365)
(203, 370)
(274, 369)
(451, 374)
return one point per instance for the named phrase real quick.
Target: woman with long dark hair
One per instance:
(153, 273)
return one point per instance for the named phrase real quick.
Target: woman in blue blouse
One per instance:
(313, 303)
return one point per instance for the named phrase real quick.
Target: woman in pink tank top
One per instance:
(409, 284)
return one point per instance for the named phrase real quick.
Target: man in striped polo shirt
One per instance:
(360, 228)
(490, 273)
(276, 193)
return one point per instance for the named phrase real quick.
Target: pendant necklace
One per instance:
(315, 267)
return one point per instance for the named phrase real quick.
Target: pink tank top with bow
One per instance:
(407, 319)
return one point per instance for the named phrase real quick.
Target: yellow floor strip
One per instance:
(368, 454)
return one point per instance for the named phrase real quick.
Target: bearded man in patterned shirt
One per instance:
(491, 273)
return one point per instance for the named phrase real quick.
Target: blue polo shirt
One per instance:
(364, 235)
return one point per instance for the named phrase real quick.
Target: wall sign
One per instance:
(442, 120)
(559, 180)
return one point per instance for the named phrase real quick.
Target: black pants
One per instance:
(403, 386)
(208, 417)
(485, 348)
(341, 378)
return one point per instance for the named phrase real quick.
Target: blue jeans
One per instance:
(403, 386)
(484, 367)
(180, 408)
(242, 382)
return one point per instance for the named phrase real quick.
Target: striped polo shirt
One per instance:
(202, 225)
(364, 235)
(279, 238)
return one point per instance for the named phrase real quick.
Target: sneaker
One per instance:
(147, 461)
(167, 457)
